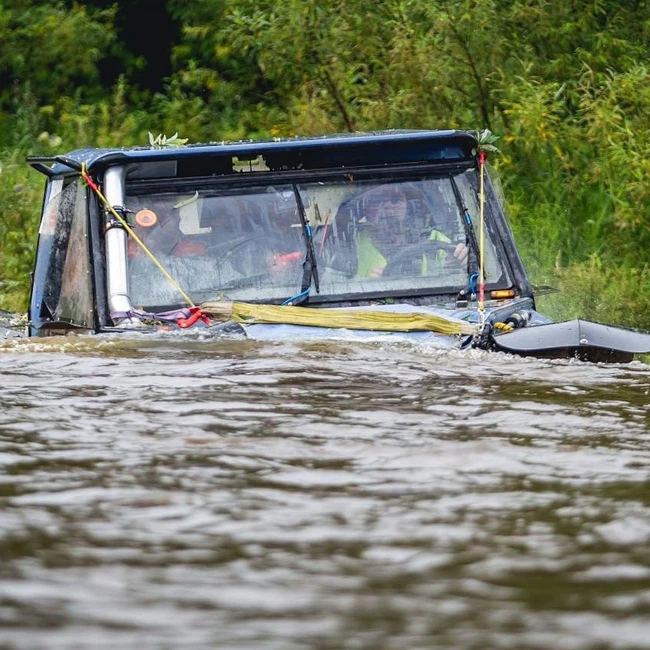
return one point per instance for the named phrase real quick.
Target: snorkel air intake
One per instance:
(117, 284)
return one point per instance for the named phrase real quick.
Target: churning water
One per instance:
(326, 495)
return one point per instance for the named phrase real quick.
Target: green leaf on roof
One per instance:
(486, 140)
(161, 141)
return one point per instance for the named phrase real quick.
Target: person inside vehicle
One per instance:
(396, 240)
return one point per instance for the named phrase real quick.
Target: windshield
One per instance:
(273, 243)
(241, 245)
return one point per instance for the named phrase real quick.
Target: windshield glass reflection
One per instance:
(251, 244)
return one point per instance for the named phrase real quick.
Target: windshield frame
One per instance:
(300, 179)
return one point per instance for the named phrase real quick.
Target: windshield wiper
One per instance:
(475, 255)
(309, 269)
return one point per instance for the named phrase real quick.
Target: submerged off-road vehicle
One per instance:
(397, 231)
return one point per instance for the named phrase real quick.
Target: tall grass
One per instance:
(21, 193)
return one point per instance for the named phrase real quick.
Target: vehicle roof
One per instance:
(381, 146)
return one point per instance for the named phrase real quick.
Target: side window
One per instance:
(62, 283)
(61, 280)
(75, 302)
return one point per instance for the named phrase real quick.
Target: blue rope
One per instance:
(298, 295)
(472, 278)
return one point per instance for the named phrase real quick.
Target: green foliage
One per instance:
(109, 122)
(51, 47)
(565, 85)
(486, 140)
(605, 294)
(161, 141)
(21, 197)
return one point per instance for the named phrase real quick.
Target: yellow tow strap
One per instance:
(356, 319)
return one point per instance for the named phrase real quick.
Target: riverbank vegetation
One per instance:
(565, 85)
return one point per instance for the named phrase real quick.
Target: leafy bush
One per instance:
(565, 85)
(20, 197)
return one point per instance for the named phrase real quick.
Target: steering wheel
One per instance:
(409, 259)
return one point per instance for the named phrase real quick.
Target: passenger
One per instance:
(390, 233)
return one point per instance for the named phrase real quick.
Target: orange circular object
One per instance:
(146, 218)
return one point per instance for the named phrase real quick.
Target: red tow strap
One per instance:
(195, 314)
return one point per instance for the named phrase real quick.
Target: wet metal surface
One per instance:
(230, 494)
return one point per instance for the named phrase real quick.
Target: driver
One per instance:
(390, 229)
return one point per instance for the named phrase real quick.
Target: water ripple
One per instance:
(325, 494)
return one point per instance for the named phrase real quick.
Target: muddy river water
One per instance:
(229, 494)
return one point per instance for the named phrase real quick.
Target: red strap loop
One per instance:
(195, 314)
